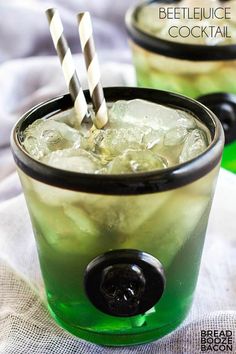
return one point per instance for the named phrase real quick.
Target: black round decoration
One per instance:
(124, 283)
(224, 107)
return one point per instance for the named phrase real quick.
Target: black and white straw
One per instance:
(67, 63)
(93, 71)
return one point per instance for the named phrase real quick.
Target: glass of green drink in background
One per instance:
(168, 56)
(120, 214)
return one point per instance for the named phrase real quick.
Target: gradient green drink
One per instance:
(120, 230)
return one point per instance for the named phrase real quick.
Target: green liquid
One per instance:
(169, 225)
(83, 320)
(229, 157)
(192, 83)
(189, 85)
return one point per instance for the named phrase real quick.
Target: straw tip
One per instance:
(50, 12)
(80, 15)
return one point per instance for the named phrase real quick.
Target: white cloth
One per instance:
(24, 29)
(25, 325)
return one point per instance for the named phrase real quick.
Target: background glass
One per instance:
(189, 69)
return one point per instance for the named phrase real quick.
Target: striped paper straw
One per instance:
(93, 71)
(67, 63)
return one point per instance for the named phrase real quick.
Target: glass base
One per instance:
(115, 339)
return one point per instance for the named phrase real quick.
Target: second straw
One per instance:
(93, 71)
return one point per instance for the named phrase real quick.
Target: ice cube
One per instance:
(81, 219)
(120, 216)
(195, 144)
(186, 120)
(73, 233)
(141, 113)
(153, 138)
(68, 117)
(167, 229)
(117, 111)
(76, 160)
(133, 161)
(34, 147)
(44, 136)
(53, 139)
(112, 142)
(175, 136)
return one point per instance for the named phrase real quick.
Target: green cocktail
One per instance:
(172, 52)
(120, 214)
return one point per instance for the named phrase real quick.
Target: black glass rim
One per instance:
(192, 52)
(123, 184)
